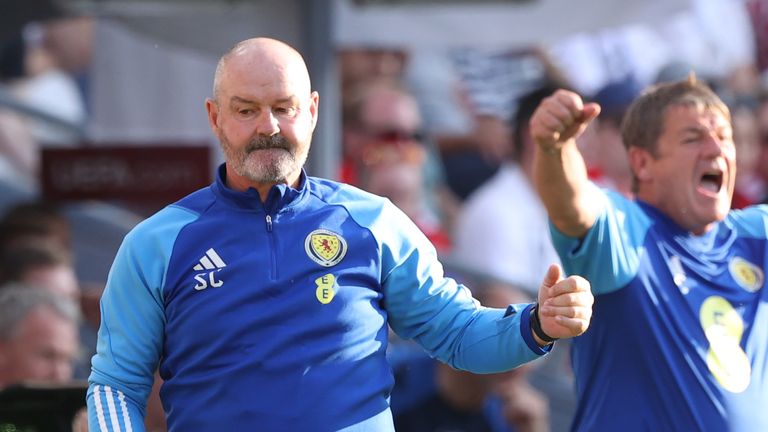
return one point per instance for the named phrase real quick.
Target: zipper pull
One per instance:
(269, 223)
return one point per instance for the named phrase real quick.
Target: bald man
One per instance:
(264, 298)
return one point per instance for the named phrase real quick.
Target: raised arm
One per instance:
(560, 173)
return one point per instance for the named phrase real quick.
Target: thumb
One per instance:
(589, 112)
(554, 274)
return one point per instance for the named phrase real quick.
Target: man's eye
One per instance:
(245, 111)
(285, 110)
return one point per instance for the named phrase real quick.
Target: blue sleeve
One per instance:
(440, 314)
(130, 337)
(609, 254)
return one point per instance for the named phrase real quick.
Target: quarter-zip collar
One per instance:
(280, 196)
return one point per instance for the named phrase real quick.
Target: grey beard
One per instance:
(265, 143)
(259, 171)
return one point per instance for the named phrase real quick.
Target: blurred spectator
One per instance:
(468, 97)
(611, 166)
(38, 336)
(363, 64)
(750, 186)
(34, 220)
(466, 402)
(40, 264)
(18, 155)
(388, 156)
(37, 72)
(502, 231)
(35, 249)
(48, 86)
(761, 166)
(502, 228)
(70, 42)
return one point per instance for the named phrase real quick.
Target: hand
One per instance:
(80, 421)
(524, 407)
(565, 305)
(560, 118)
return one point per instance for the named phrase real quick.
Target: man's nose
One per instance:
(267, 124)
(715, 145)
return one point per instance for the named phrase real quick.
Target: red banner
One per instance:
(135, 174)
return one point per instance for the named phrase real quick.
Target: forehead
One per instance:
(58, 278)
(390, 109)
(43, 325)
(681, 117)
(252, 78)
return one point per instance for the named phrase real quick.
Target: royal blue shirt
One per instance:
(273, 316)
(679, 333)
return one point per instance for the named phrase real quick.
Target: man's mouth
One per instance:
(275, 142)
(711, 182)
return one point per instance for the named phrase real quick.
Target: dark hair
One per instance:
(20, 258)
(12, 55)
(35, 220)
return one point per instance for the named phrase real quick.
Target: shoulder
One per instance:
(751, 221)
(170, 220)
(621, 206)
(332, 191)
(375, 213)
(355, 200)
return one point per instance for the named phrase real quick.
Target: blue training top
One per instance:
(679, 332)
(273, 316)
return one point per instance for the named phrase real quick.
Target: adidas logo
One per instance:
(213, 262)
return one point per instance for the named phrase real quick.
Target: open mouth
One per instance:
(711, 182)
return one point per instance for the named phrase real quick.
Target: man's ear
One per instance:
(314, 107)
(213, 115)
(639, 162)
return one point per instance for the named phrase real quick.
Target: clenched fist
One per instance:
(565, 305)
(559, 118)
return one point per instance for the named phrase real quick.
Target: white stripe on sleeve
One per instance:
(111, 406)
(126, 414)
(99, 409)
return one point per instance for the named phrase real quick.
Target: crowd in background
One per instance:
(444, 137)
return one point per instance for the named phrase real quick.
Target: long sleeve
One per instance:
(130, 337)
(441, 314)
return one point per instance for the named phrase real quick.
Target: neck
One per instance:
(241, 184)
(681, 216)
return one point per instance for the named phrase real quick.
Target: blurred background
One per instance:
(102, 123)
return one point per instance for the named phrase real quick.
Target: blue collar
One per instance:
(280, 196)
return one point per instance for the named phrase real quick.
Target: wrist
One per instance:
(551, 150)
(538, 332)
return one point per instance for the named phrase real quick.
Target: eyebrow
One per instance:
(697, 129)
(241, 100)
(238, 99)
(693, 129)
